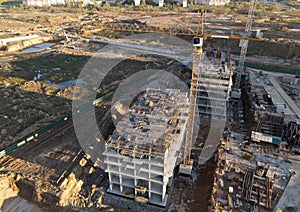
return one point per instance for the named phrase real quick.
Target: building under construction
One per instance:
(215, 83)
(145, 147)
(143, 150)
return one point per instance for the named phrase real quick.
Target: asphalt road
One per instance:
(286, 97)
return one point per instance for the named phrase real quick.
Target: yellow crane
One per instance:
(186, 166)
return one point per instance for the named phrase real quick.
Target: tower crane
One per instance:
(244, 46)
(186, 166)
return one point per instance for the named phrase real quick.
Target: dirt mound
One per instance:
(70, 189)
(9, 194)
(8, 188)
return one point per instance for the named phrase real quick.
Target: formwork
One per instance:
(143, 151)
(214, 85)
(272, 123)
(293, 133)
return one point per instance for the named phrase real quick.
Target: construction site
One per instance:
(211, 124)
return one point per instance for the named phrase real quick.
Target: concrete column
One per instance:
(134, 176)
(160, 3)
(164, 189)
(149, 182)
(121, 183)
(110, 184)
(149, 189)
(137, 2)
(135, 184)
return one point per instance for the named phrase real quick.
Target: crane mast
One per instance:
(244, 47)
(248, 32)
(192, 103)
(186, 167)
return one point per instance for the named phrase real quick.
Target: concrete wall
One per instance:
(19, 45)
(137, 2)
(16, 39)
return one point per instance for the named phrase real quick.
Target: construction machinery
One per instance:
(187, 165)
(236, 93)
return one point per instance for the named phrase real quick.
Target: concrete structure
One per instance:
(286, 97)
(4, 42)
(184, 2)
(213, 2)
(46, 3)
(161, 2)
(258, 173)
(146, 146)
(262, 137)
(293, 133)
(137, 2)
(271, 123)
(214, 85)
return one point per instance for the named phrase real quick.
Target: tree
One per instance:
(68, 4)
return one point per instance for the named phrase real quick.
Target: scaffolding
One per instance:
(142, 152)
